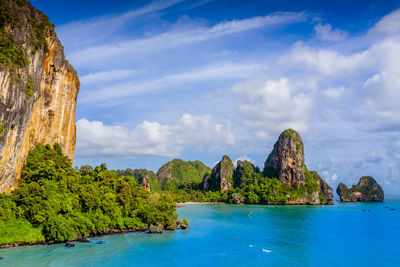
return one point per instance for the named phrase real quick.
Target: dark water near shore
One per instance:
(227, 235)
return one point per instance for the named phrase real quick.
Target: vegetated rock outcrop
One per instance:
(286, 163)
(367, 190)
(244, 173)
(323, 186)
(38, 89)
(179, 173)
(221, 177)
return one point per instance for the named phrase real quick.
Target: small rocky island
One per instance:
(367, 190)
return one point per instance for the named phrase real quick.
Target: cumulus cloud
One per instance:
(273, 105)
(387, 26)
(243, 158)
(328, 62)
(152, 138)
(325, 32)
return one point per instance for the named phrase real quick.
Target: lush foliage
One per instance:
(10, 54)
(57, 202)
(255, 188)
(178, 174)
(13, 14)
(140, 174)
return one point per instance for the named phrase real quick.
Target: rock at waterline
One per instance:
(155, 230)
(70, 244)
(237, 199)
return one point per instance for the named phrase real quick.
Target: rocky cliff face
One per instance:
(286, 161)
(324, 188)
(367, 190)
(38, 89)
(221, 177)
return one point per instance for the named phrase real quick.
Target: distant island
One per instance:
(367, 190)
(284, 180)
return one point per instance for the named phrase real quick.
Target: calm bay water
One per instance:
(227, 235)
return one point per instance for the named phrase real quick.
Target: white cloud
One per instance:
(243, 158)
(222, 71)
(152, 138)
(334, 93)
(106, 76)
(92, 31)
(273, 105)
(387, 26)
(176, 37)
(326, 61)
(327, 33)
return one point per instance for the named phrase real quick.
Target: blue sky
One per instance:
(200, 79)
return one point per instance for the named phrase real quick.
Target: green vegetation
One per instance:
(140, 174)
(29, 89)
(223, 170)
(14, 13)
(253, 187)
(185, 223)
(2, 131)
(292, 134)
(367, 186)
(10, 54)
(178, 174)
(56, 202)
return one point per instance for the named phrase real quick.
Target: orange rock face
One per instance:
(47, 116)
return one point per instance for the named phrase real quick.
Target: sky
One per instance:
(197, 79)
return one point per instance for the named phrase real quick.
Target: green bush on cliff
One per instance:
(2, 131)
(17, 14)
(10, 54)
(29, 88)
(57, 202)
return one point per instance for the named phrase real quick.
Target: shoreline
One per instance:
(182, 204)
(78, 240)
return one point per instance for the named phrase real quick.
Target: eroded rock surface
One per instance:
(221, 177)
(324, 188)
(38, 94)
(286, 161)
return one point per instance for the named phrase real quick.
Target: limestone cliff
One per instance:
(221, 177)
(38, 89)
(367, 190)
(324, 188)
(286, 161)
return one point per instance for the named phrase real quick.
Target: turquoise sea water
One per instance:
(228, 235)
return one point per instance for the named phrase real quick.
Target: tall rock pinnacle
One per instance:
(286, 161)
